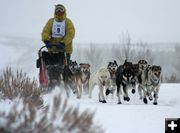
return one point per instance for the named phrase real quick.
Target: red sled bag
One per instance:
(43, 77)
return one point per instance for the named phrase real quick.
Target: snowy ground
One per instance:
(134, 116)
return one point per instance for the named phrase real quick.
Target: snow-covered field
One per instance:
(135, 116)
(129, 117)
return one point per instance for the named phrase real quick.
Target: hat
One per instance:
(59, 8)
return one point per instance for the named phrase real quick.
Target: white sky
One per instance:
(96, 20)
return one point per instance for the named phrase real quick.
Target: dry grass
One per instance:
(59, 118)
(19, 85)
(29, 117)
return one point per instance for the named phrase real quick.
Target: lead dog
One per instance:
(153, 83)
(125, 79)
(112, 67)
(142, 79)
(102, 79)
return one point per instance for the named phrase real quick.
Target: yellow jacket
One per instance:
(67, 39)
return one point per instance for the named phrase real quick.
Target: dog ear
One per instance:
(115, 62)
(88, 65)
(125, 61)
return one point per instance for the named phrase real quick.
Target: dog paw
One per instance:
(119, 103)
(107, 92)
(145, 100)
(155, 103)
(126, 99)
(150, 98)
(104, 101)
(133, 91)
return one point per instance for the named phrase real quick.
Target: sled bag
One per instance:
(43, 77)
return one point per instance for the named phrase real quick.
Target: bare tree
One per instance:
(93, 55)
(176, 60)
(132, 52)
(143, 52)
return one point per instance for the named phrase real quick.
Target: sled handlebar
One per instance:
(39, 52)
(62, 50)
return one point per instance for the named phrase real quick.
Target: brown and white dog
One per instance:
(153, 83)
(82, 79)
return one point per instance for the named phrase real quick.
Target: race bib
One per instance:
(58, 29)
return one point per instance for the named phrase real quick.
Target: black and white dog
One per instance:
(125, 78)
(112, 67)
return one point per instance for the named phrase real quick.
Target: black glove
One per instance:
(48, 44)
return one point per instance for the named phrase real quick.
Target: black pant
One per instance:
(53, 59)
(68, 56)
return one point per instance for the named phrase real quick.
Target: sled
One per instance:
(51, 67)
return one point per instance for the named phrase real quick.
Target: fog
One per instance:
(101, 21)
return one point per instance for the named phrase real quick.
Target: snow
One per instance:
(133, 116)
(129, 117)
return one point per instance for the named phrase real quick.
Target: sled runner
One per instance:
(51, 67)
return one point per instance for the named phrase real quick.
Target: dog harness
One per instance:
(86, 79)
(113, 76)
(58, 29)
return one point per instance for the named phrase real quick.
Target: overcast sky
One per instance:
(96, 20)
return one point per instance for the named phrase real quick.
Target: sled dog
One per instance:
(112, 67)
(142, 79)
(125, 79)
(153, 82)
(102, 79)
(82, 79)
(69, 75)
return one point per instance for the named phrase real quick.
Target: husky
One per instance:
(112, 67)
(124, 79)
(82, 79)
(69, 76)
(136, 73)
(142, 79)
(102, 79)
(153, 83)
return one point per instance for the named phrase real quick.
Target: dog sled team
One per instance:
(114, 80)
(56, 68)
